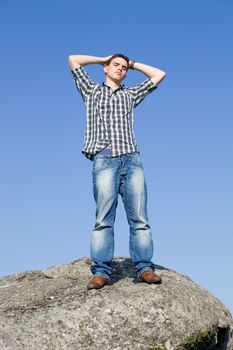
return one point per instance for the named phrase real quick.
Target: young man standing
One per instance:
(117, 168)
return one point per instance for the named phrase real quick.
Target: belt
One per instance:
(108, 151)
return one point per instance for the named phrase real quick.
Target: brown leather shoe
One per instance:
(97, 282)
(149, 276)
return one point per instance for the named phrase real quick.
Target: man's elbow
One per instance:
(162, 75)
(73, 61)
(158, 78)
(70, 60)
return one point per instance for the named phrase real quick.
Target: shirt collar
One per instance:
(120, 87)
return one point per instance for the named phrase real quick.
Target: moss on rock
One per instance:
(202, 341)
(156, 348)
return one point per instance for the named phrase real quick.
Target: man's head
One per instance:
(117, 67)
(116, 55)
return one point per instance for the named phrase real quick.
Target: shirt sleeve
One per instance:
(83, 82)
(140, 91)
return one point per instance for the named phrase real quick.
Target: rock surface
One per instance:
(52, 309)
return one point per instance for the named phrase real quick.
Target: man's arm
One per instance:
(156, 75)
(76, 61)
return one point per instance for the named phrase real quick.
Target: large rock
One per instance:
(52, 309)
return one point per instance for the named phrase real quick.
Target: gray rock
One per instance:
(52, 309)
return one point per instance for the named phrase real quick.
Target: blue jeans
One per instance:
(122, 175)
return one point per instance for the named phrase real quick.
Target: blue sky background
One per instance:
(183, 129)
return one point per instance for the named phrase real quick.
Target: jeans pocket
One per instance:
(100, 163)
(135, 160)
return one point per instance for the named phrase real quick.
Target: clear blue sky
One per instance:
(183, 129)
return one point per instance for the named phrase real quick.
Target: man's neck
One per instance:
(113, 84)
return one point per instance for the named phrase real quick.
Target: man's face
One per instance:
(117, 69)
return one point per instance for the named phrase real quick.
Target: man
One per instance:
(117, 168)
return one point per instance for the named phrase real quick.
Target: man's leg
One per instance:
(105, 189)
(134, 194)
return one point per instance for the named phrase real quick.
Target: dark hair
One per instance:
(120, 55)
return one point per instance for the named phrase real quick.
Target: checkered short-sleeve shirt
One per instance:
(109, 114)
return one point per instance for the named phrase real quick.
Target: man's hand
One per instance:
(106, 59)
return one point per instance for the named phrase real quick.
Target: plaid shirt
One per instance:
(110, 119)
